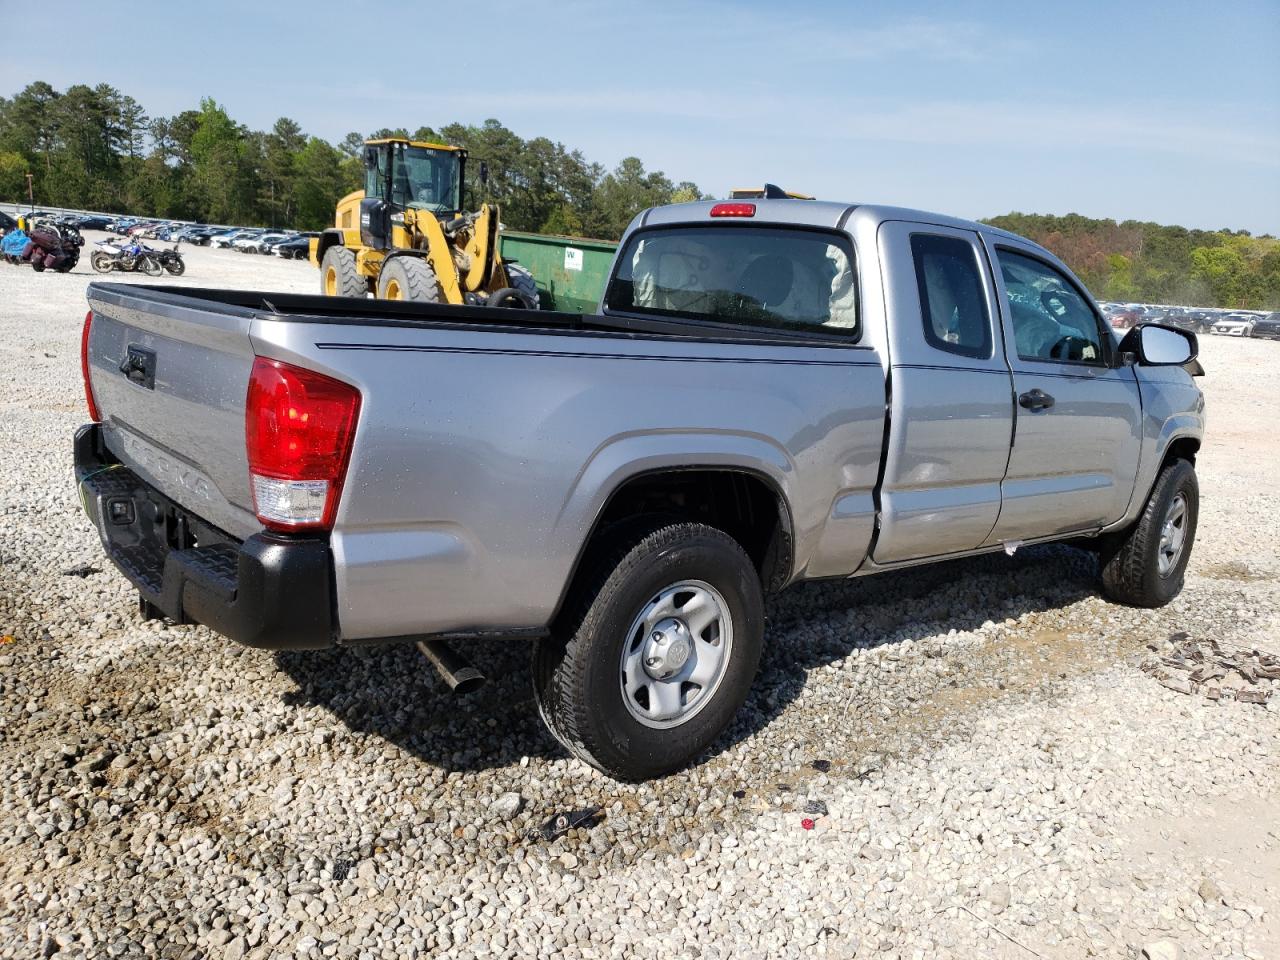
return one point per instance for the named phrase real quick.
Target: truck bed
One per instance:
(309, 308)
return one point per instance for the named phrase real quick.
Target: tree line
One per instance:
(96, 148)
(1139, 262)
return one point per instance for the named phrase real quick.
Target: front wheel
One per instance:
(150, 266)
(1144, 566)
(655, 652)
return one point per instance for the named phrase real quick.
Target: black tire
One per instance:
(577, 669)
(410, 279)
(150, 266)
(522, 280)
(1130, 560)
(176, 266)
(338, 274)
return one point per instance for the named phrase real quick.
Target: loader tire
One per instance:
(338, 275)
(410, 279)
(522, 281)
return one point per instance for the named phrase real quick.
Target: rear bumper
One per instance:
(271, 591)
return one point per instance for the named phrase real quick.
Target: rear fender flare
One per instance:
(625, 458)
(330, 238)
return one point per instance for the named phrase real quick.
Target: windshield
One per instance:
(756, 276)
(425, 178)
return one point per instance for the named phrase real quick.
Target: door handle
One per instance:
(1035, 400)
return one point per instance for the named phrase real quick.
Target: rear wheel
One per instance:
(338, 274)
(102, 262)
(408, 278)
(176, 266)
(1144, 566)
(655, 653)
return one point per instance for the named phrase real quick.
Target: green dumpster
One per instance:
(571, 271)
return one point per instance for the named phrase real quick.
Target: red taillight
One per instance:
(734, 210)
(84, 368)
(298, 427)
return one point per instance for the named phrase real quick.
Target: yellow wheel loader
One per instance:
(405, 237)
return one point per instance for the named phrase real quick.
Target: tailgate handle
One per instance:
(139, 365)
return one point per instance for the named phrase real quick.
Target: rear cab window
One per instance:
(953, 303)
(774, 277)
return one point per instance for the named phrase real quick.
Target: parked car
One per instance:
(1197, 321)
(95, 222)
(247, 242)
(200, 235)
(295, 248)
(639, 479)
(1123, 319)
(1268, 327)
(1235, 324)
(263, 242)
(272, 245)
(226, 238)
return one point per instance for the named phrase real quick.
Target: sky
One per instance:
(1164, 111)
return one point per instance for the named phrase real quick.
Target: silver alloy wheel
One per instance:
(676, 654)
(1173, 535)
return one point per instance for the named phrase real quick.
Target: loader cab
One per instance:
(400, 175)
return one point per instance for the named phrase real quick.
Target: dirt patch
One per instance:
(1234, 570)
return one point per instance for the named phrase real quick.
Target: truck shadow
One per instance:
(390, 692)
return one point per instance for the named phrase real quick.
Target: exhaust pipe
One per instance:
(453, 667)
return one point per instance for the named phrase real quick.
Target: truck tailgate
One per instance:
(170, 381)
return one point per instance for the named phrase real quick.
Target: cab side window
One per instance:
(1051, 320)
(952, 301)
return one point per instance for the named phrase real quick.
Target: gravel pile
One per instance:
(958, 761)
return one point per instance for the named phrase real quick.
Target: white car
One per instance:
(246, 242)
(1235, 324)
(260, 244)
(224, 239)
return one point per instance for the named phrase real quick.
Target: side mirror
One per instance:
(1160, 346)
(484, 173)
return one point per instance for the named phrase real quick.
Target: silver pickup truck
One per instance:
(771, 392)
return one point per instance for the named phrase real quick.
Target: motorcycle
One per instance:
(52, 247)
(172, 260)
(132, 256)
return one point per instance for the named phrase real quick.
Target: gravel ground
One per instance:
(999, 777)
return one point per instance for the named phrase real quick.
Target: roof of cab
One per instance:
(414, 143)
(813, 213)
